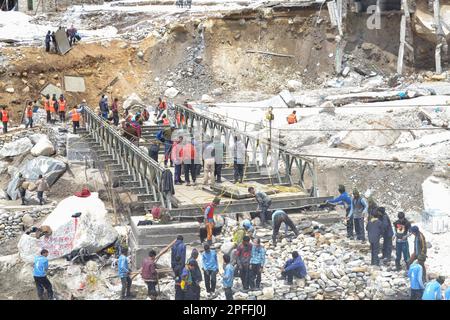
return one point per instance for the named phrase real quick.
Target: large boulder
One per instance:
(171, 92)
(287, 98)
(51, 169)
(91, 230)
(133, 100)
(436, 195)
(15, 148)
(294, 85)
(43, 147)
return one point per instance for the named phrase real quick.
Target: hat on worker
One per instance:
(84, 193)
(414, 229)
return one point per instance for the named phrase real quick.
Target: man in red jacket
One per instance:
(150, 275)
(189, 162)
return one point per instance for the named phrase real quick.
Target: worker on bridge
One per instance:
(238, 153)
(292, 118)
(5, 119)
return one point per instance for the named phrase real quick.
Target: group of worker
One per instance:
(57, 108)
(379, 226)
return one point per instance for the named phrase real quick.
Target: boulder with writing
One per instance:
(90, 230)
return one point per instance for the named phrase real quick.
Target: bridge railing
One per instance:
(265, 154)
(144, 169)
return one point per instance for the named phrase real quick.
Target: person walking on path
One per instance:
(41, 186)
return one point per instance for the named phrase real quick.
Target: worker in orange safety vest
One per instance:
(62, 108)
(29, 115)
(292, 118)
(5, 119)
(46, 103)
(75, 119)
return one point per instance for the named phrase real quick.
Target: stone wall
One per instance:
(52, 5)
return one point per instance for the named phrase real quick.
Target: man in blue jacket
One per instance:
(415, 277)
(40, 275)
(447, 294)
(387, 234)
(294, 267)
(103, 104)
(358, 211)
(433, 289)
(344, 199)
(124, 274)
(178, 250)
(257, 261)
(210, 268)
(228, 277)
(374, 232)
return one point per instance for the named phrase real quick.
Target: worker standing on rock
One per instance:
(228, 277)
(210, 269)
(264, 203)
(178, 251)
(29, 115)
(150, 275)
(415, 273)
(387, 235)
(257, 262)
(243, 256)
(165, 136)
(40, 275)
(292, 118)
(402, 227)
(374, 232)
(5, 119)
(294, 267)
(433, 289)
(238, 154)
(124, 274)
(209, 219)
(420, 250)
(358, 211)
(344, 199)
(75, 119)
(278, 217)
(62, 108)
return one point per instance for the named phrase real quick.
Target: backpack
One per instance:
(160, 135)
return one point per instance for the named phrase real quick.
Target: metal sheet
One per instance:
(62, 41)
(74, 84)
(51, 90)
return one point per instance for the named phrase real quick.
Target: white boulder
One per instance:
(15, 148)
(91, 230)
(132, 100)
(169, 84)
(268, 293)
(171, 92)
(43, 147)
(227, 247)
(287, 98)
(294, 85)
(207, 98)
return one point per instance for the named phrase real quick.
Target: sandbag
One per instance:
(91, 230)
(51, 169)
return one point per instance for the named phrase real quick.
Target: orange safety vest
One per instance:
(162, 105)
(180, 118)
(165, 121)
(62, 105)
(46, 105)
(29, 112)
(292, 118)
(5, 116)
(52, 106)
(75, 116)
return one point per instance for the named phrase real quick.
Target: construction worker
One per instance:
(153, 150)
(177, 158)
(52, 105)
(433, 289)
(294, 267)
(401, 227)
(41, 186)
(387, 234)
(103, 104)
(29, 115)
(21, 188)
(40, 275)
(178, 251)
(115, 111)
(374, 231)
(190, 281)
(209, 158)
(358, 211)
(165, 136)
(219, 161)
(189, 162)
(420, 250)
(292, 118)
(228, 277)
(344, 199)
(196, 273)
(278, 217)
(248, 227)
(75, 119)
(415, 273)
(124, 274)
(81, 110)
(257, 262)
(5, 119)
(162, 106)
(45, 231)
(238, 153)
(150, 274)
(209, 219)
(46, 103)
(62, 108)
(264, 203)
(164, 121)
(210, 269)
(243, 256)
(48, 39)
